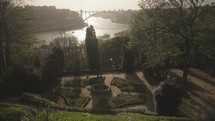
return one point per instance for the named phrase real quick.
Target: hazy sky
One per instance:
(88, 4)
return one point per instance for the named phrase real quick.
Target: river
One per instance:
(102, 26)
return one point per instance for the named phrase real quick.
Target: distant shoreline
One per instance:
(59, 29)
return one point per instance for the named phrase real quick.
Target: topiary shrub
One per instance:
(167, 99)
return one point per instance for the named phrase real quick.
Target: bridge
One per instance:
(87, 14)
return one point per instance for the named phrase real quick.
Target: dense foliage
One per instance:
(168, 41)
(111, 51)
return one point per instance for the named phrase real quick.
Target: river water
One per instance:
(102, 26)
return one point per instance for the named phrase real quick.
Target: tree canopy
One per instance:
(17, 44)
(169, 31)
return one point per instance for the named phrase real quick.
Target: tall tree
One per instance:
(168, 28)
(92, 49)
(128, 59)
(16, 39)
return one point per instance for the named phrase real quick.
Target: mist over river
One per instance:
(102, 26)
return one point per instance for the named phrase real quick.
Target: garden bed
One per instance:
(84, 82)
(124, 85)
(120, 101)
(73, 97)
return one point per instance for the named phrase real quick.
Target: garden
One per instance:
(73, 94)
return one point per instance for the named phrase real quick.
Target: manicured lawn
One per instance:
(124, 85)
(72, 116)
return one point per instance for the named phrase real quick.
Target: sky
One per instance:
(90, 5)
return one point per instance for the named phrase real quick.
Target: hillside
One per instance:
(48, 18)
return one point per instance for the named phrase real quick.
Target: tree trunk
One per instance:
(5, 43)
(2, 38)
(186, 64)
(185, 73)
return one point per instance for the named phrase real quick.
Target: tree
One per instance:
(4, 34)
(112, 49)
(92, 49)
(53, 68)
(73, 51)
(128, 59)
(15, 35)
(167, 30)
(207, 38)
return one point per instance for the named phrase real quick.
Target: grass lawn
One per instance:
(126, 86)
(13, 112)
(72, 116)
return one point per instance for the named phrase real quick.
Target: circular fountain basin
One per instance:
(100, 89)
